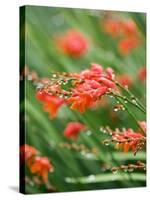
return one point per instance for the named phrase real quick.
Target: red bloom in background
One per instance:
(129, 28)
(128, 139)
(41, 166)
(126, 31)
(27, 153)
(126, 45)
(96, 82)
(73, 43)
(125, 80)
(51, 103)
(73, 129)
(112, 27)
(142, 73)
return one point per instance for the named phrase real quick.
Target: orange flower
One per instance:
(51, 103)
(73, 129)
(27, 153)
(127, 44)
(96, 82)
(73, 43)
(41, 166)
(85, 94)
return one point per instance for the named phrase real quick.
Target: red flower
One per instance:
(125, 80)
(128, 139)
(96, 82)
(142, 73)
(85, 94)
(73, 43)
(51, 103)
(129, 28)
(127, 44)
(41, 166)
(73, 129)
(27, 153)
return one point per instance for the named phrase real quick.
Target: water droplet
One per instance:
(29, 77)
(101, 129)
(114, 171)
(115, 109)
(125, 101)
(106, 142)
(130, 169)
(54, 75)
(61, 96)
(83, 153)
(88, 132)
(89, 155)
(134, 101)
(123, 108)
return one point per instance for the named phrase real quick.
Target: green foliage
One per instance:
(72, 168)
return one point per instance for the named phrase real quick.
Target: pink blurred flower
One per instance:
(73, 43)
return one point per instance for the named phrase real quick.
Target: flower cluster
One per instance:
(95, 83)
(73, 43)
(127, 139)
(87, 87)
(38, 165)
(126, 31)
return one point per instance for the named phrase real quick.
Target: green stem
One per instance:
(128, 100)
(131, 95)
(130, 113)
(105, 178)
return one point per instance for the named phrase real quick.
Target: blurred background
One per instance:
(68, 40)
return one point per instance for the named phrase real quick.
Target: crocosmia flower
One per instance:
(126, 45)
(129, 28)
(96, 82)
(112, 27)
(73, 129)
(128, 139)
(51, 104)
(37, 165)
(27, 152)
(41, 166)
(73, 43)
